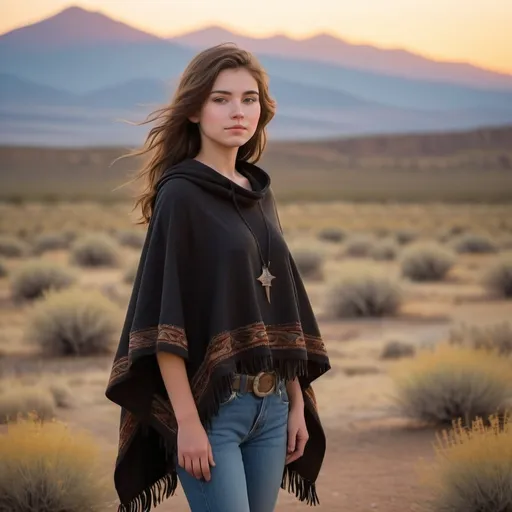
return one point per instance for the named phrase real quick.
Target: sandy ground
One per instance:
(373, 453)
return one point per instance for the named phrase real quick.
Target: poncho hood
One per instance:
(197, 295)
(216, 183)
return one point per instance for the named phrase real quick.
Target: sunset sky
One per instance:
(475, 31)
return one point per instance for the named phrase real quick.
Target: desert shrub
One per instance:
(131, 238)
(426, 262)
(472, 471)
(452, 231)
(22, 401)
(474, 243)
(130, 272)
(359, 245)
(95, 250)
(363, 294)
(450, 382)
(384, 250)
(3, 269)
(73, 322)
(33, 278)
(397, 350)
(331, 235)
(46, 467)
(498, 278)
(50, 242)
(405, 236)
(496, 337)
(308, 262)
(12, 247)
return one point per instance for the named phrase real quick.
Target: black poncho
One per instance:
(196, 294)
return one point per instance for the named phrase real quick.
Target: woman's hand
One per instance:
(194, 449)
(297, 432)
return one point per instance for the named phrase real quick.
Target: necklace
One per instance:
(266, 277)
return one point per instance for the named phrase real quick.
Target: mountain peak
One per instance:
(75, 25)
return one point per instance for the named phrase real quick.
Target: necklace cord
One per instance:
(233, 195)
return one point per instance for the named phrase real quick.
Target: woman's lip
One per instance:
(237, 128)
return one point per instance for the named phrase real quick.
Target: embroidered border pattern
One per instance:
(127, 430)
(231, 343)
(222, 347)
(165, 334)
(119, 369)
(162, 410)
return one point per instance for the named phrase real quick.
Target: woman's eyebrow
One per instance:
(229, 93)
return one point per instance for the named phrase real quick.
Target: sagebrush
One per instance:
(35, 277)
(364, 294)
(447, 382)
(73, 322)
(472, 471)
(498, 277)
(426, 261)
(45, 467)
(95, 250)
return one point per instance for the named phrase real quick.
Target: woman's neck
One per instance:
(223, 162)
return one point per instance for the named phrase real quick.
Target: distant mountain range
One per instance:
(330, 49)
(67, 79)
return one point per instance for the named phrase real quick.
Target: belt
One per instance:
(262, 384)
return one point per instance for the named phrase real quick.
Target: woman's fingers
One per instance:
(205, 468)
(188, 465)
(210, 455)
(196, 468)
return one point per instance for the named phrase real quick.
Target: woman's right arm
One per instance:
(194, 449)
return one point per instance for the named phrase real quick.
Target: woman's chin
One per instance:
(234, 141)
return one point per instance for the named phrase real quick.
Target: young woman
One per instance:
(220, 343)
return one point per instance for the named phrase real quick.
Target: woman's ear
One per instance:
(194, 119)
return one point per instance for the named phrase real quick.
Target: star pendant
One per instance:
(266, 280)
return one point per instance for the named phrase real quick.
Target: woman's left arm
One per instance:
(297, 432)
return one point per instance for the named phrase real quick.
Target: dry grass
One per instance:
(473, 469)
(47, 467)
(449, 382)
(21, 401)
(456, 167)
(496, 337)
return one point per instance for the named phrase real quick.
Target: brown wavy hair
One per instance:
(175, 138)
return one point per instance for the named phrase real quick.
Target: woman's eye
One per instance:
(251, 100)
(219, 100)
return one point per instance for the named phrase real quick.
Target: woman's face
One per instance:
(230, 115)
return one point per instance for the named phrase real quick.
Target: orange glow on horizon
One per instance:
(443, 30)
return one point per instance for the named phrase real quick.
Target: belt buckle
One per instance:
(256, 383)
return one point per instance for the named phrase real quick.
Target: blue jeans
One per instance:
(248, 439)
